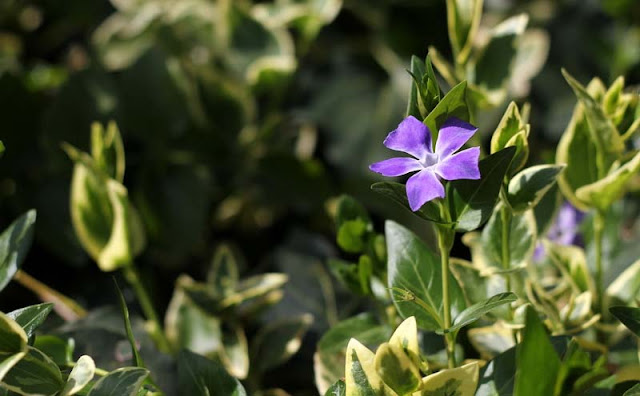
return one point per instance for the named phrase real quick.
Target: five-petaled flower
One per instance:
(414, 138)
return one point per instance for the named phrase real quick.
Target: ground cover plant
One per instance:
(319, 197)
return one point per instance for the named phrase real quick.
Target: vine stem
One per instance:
(445, 242)
(65, 306)
(598, 228)
(153, 323)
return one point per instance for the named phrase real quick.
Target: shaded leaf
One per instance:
(31, 317)
(476, 311)
(125, 381)
(14, 245)
(199, 376)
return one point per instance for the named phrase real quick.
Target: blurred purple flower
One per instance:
(414, 138)
(564, 230)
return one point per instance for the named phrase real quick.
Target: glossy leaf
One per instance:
(528, 187)
(472, 201)
(537, 361)
(337, 389)
(125, 381)
(58, 349)
(36, 374)
(629, 316)
(14, 245)
(397, 192)
(416, 279)
(81, 374)
(8, 360)
(476, 311)
(199, 376)
(626, 286)
(398, 362)
(453, 104)
(497, 378)
(31, 317)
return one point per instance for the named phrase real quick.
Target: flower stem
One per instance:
(445, 242)
(598, 228)
(153, 323)
(66, 307)
(506, 217)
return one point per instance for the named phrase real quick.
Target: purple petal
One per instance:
(463, 165)
(423, 187)
(453, 134)
(396, 166)
(411, 136)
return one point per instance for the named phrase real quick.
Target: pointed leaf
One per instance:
(276, 342)
(199, 376)
(125, 381)
(473, 200)
(361, 377)
(337, 389)
(453, 104)
(416, 278)
(537, 361)
(223, 273)
(137, 360)
(398, 193)
(629, 316)
(521, 244)
(528, 187)
(81, 374)
(31, 317)
(476, 311)
(14, 245)
(35, 374)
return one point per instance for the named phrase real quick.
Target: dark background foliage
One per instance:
(210, 160)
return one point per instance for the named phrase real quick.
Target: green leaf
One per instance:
(276, 342)
(416, 278)
(494, 65)
(472, 201)
(463, 20)
(398, 362)
(31, 317)
(397, 192)
(361, 377)
(460, 381)
(329, 361)
(629, 316)
(35, 374)
(476, 311)
(528, 187)
(12, 336)
(223, 276)
(633, 391)
(414, 104)
(351, 235)
(537, 361)
(189, 327)
(8, 360)
(125, 381)
(58, 349)
(498, 376)
(107, 150)
(522, 239)
(199, 376)
(234, 353)
(14, 245)
(604, 192)
(337, 389)
(453, 104)
(348, 209)
(81, 374)
(572, 261)
(577, 151)
(254, 287)
(137, 360)
(347, 273)
(603, 131)
(626, 286)
(510, 124)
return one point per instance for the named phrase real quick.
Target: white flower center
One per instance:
(429, 160)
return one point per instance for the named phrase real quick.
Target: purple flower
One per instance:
(414, 138)
(564, 230)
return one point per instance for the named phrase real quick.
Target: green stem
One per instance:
(66, 307)
(506, 217)
(598, 228)
(445, 242)
(153, 323)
